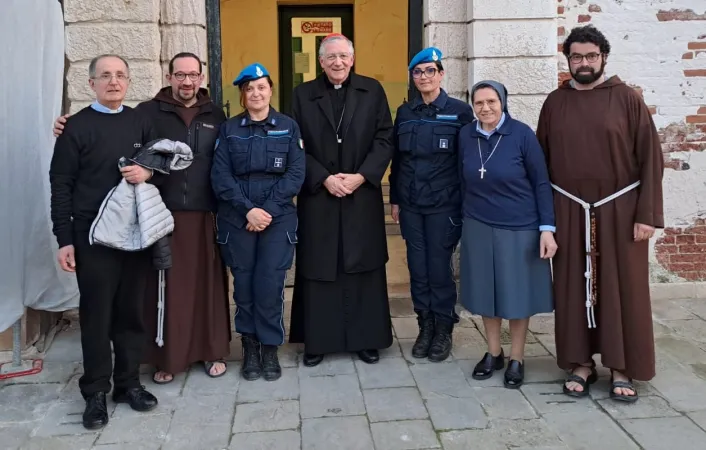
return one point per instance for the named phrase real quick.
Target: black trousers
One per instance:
(111, 284)
(431, 240)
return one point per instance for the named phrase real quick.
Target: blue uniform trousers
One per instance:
(431, 240)
(259, 263)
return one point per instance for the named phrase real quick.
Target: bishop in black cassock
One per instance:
(340, 293)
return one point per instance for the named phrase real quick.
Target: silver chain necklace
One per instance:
(480, 156)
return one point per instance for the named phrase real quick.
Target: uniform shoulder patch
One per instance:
(301, 143)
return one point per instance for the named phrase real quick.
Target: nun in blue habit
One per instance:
(508, 228)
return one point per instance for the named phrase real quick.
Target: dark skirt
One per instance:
(197, 314)
(502, 274)
(346, 315)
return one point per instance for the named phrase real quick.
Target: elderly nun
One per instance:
(508, 228)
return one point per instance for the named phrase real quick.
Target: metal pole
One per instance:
(16, 343)
(213, 38)
(18, 367)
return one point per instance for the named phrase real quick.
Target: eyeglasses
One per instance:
(181, 76)
(106, 77)
(576, 58)
(428, 72)
(332, 56)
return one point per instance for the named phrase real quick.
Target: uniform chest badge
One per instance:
(278, 163)
(447, 117)
(443, 143)
(277, 132)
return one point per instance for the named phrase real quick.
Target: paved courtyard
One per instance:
(399, 403)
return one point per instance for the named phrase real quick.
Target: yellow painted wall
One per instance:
(249, 34)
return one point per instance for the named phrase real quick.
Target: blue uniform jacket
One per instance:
(424, 175)
(257, 165)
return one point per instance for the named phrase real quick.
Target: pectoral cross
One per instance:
(482, 172)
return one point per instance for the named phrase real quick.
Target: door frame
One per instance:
(415, 42)
(285, 14)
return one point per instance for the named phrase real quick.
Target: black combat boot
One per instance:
(270, 364)
(441, 344)
(426, 333)
(252, 364)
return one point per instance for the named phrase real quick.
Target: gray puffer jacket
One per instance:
(133, 217)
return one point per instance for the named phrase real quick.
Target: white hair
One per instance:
(333, 39)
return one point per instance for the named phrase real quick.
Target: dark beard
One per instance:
(587, 77)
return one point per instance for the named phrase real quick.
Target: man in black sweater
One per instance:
(84, 168)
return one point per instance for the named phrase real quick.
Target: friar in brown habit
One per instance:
(606, 166)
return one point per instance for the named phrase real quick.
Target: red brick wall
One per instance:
(682, 251)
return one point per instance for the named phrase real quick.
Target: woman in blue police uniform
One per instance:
(425, 198)
(258, 169)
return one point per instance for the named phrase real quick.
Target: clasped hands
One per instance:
(258, 220)
(343, 184)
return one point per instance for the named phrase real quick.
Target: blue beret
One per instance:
(429, 54)
(251, 72)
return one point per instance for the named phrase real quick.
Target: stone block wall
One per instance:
(146, 32)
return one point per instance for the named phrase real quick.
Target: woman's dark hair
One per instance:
(586, 34)
(245, 85)
(439, 66)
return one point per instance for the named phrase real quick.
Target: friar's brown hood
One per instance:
(609, 83)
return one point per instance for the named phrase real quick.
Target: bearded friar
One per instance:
(605, 163)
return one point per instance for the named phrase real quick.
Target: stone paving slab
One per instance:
(404, 435)
(665, 433)
(399, 403)
(386, 405)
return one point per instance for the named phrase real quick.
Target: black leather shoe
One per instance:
(95, 415)
(252, 361)
(138, 398)
(271, 369)
(489, 364)
(312, 360)
(426, 334)
(441, 343)
(369, 356)
(514, 374)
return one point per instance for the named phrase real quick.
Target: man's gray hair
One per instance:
(94, 63)
(333, 39)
